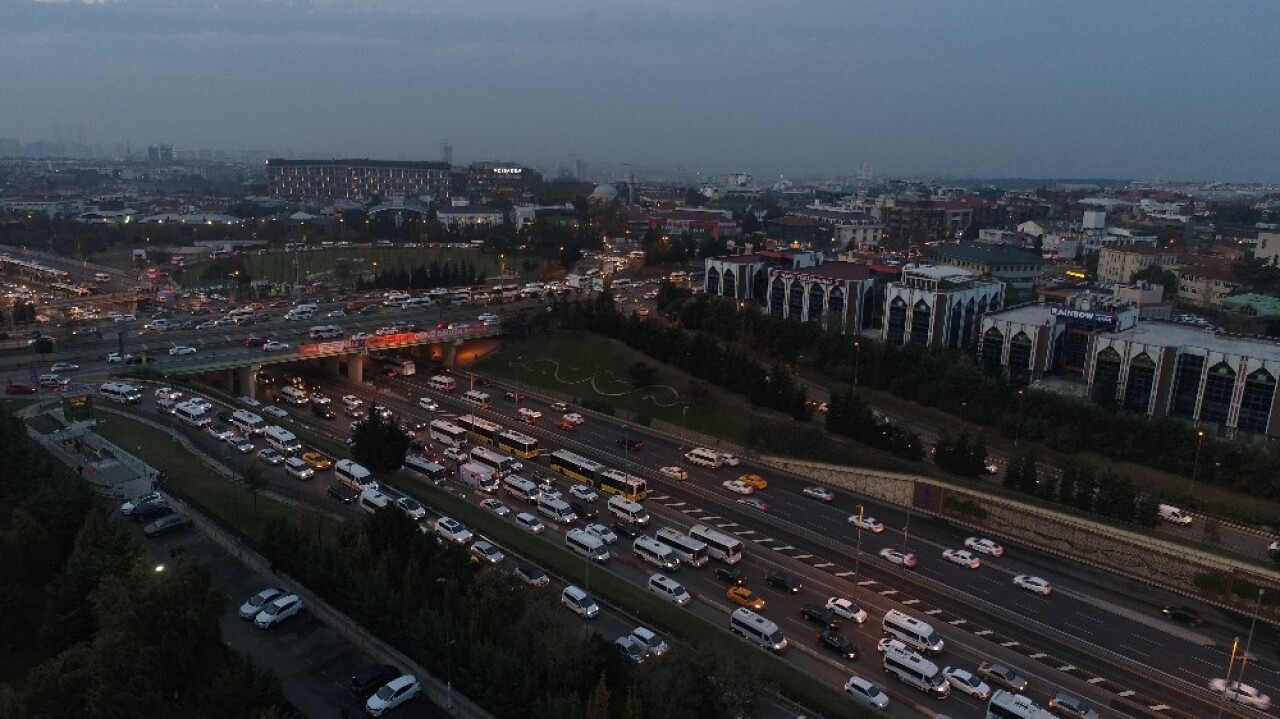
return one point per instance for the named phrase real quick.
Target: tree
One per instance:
(1158, 275)
(253, 480)
(598, 702)
(1029, 482)
(379, 444)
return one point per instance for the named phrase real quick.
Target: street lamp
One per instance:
(448, 644)
(1195, 467)
(1244, 659)
(1017, 432)
(1230, 665)
(857, 554)
(857, 359)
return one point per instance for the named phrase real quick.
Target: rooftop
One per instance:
(1187, 337)
(1030, 314)
(939, 272)
(985, 253)
(832, 270)
(1259, 305)
(1139, 250)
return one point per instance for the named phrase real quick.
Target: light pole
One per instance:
(857, 359)
(857, 554)
(1248, 642)
(1017, 432)
(1222, 700)
(448, 644)
(1195, 467)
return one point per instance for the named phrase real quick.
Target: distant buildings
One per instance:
(1117, 265)
(355, 179)
(1017, 267)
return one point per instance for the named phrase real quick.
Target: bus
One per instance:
(248, 422)
(690, 550)
(1007, 705)
(406, 367)
(597, 475)
(501, 464)
(521, 445)
(447, 433)
(719, 545)
(194, 415)
(480, 430)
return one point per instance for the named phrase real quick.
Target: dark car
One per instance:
(342, 493)
(584, 511)
(731, 575)
(255, 341)
(627, 529)
(140, 359)
(1071, 706)
(1183, 615)
(513, 396)
(1003, 676)
(840, 644)
(369, 678)
(819, 614)
(151, 511)
(224, 416)
(629, 445)
(322, 411)
(167, 524)
(783, 582)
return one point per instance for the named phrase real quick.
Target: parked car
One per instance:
(398, 691)
(167, 524)
(151, 510)
(127, 508)
(368, 678)
(278, 610)
(632, 650)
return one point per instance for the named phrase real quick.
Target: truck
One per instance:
(478, 476)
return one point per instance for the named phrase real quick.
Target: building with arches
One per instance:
(1024, 343)
(938, 306)
(836, 295)
(745, 277)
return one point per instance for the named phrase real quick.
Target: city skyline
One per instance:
(991, 90)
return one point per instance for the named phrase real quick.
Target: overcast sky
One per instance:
(1031, 88)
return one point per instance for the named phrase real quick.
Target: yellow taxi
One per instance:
(317, 461)
(754, 481)
(745, 597)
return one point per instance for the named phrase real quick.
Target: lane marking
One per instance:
(676, 504)
(1126, 693)
(1008, 644)
(910, 602)
(745, 532)
(1066, 667)
(693, 510)
(888, 592)
(762, 540)
(1159, 707)
(958, 622)
(983, 633)
(784, 547)
(866, 582)
(798, 556)
(1037, 655)
(823, 565)
(934, 611)
(1095, 680)
(844, 574)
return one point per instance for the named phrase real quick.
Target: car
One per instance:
(351, 400)
(864, 692)
(453, 530)
(601, 532)
(322, 411)
(968, 683)
(729, 459)
(731, 575)
(567, 426)
(270, 456)
(278, 610)
(962, 557)
(12, 387)
(629, 445)
(532, 575)
(1068, 705)
(182, 350)
(819, 614)
(429, 404)
(167, 524)
(342, 493)
(127, 508)
(754, 481)
(651, 640)
(559, 407)
(737, 485)
(513, 397)
(847, 609)
(353, 412)
(834, 641)
(984, 545)
(1038, 585)
(632, 650)
(117, 358)
(528, 416)
(1183, 615)
(139, 359)
(254, 604)
(241, 445)
(64, 367)
(298, 469)
(317, 461)
(871, 524)
(679, 473)
(383, 331)
(575, 418)
(317, 398)
(200, 402)
(740, 595)
(758, 504)
(579, 602)
(277, 412)
(412, 508)
(630, 530)
(496, 507)
(1241, 694)
(485, 552)
(894, 556)
(822, 494)
(585, 512)
(486, 317)
(360, 336)
(1003, 676)
(547, 489)
(783, 582)
(455, 454)
(254, 341)
(151, 510)
(584, 492)
(398, 691)
(368, 678)
(274, 346)
(209, 324)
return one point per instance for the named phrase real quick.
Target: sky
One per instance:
(966, 88)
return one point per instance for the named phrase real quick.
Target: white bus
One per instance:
(477, 398)
(354, 475)
(248, 422)
(416, 303)
(1007, 705)
(282, 440)
(757, 630)
(193, 414)
(326, 332)
(501, 464)
(719, 545)
(447, 433)
(121, 392)
(912, 632)
(442, 383)
(690, 550)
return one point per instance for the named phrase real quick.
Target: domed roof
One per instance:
(605, 191)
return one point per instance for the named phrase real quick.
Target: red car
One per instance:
(566, 425)
(19, 388)
(255, 342)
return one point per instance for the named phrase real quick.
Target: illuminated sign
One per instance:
(508, 170)
(1106, 318)
(388, 341)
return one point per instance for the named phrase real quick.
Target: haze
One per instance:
(1174, 90)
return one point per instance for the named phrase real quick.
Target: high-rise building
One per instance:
(446, 153)
(160, 153)
(351, 179)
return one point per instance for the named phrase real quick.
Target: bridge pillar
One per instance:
(332, 364)
(450, 350)
(247, 377)
(355, 367)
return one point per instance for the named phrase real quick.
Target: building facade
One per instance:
(488, 180)
(1013, 266)
(1117, 265)
(837, 295)
(355, 179)
(1206, 284)
(938, 306)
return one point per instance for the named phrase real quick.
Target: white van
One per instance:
(625, 509)
(1170, 513)
(353, 475)
(248, 422)
(656, 553)
(520, 488)
(914, 670)
(582, 542)
(193, 414)
(757, 630)
(121, 392)
(703, 457)
(477, 398)
(557, 510)
(443, 383)
(912, 632)
(282, 440)
(371, 500)
(669, 589)
(293, 395)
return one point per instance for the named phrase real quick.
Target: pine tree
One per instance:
(597, 706)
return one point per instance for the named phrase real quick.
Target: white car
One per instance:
(250, 402)
(962, 557)
(278, 611)
(116, 357)
(298, 469)
(274, 346)
(894, 556)
(530, 522)
(168, 393)
(485, 552)
(221, 432)
(337, 313)
(967, 683)
(453, 530)
(200, 402)
(241, 445)
(822, 494)
(846, 608)
(579, 602)
(1241, 694)
(496, 507)
(270, 456)
(360, 336)
(411, 508)
(603, 533)
(584, 492)
(455, 454)
(984, 545)
(674, 473)
(866, 693)
(182, 350)
(275, 411)
(1033, 584)
(351, 400)
(127, 508)
(729, 459)
(528, 415)
(392, 694)
(428, 404)
(254, 604)
(487, 317)
(737, 485)
(63, 367)
(871, 524)
(574, 417)
(656, 645)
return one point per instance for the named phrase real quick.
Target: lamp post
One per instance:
(857, 359)
(857, 554)
(448, 644)
(1222, 700)
(1195, 467)
(1248, 642)
(1017, 432)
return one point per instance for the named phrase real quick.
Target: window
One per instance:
(1218, 387)
(1106, 377)
(1255, 405)
(1137, 392)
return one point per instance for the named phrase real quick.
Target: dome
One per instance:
(605, 192)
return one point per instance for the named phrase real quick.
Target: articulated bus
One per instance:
(597, 475)
(521, 445)
(480, 430)
(447, 433)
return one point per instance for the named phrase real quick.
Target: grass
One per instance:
(44, 424)
(279, 267)
(594, 368)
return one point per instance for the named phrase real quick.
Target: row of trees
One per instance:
(436, 274)
(850, 416)
(99, 629)
(1105, 493)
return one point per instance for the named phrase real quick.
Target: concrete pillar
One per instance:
(450, 353)
(332, 364)
(355, 367)
(230, 378)
(248, 380)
